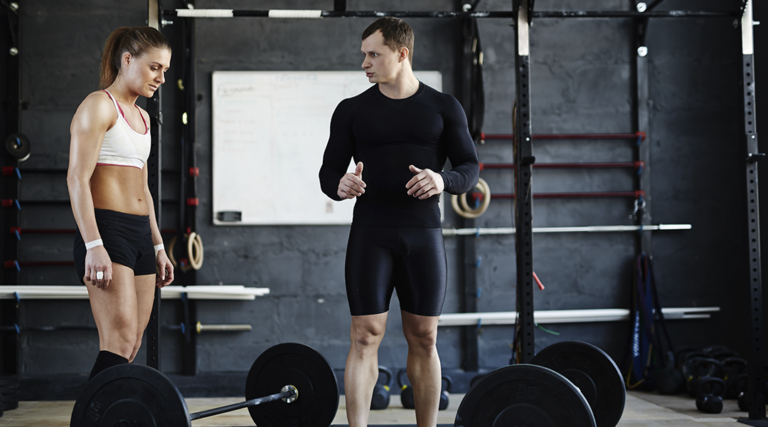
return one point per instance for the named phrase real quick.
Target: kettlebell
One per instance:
(735, 376)
(406, 391)
(444, 399)
(668, 379)
(709, 395)
(380, 398)
(744, 402)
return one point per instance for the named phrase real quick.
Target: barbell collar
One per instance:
(289, 392)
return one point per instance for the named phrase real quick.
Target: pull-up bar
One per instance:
(313, 14)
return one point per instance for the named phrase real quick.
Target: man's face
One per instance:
(381, 64)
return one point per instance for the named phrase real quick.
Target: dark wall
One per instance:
(582, 81)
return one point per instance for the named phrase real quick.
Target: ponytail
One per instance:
(136, 41)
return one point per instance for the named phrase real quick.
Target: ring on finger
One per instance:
(99, 275)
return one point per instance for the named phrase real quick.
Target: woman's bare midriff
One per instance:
(119, 188)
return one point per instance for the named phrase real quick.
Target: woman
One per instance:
(111, 202)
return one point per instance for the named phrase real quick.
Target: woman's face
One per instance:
(145, 73)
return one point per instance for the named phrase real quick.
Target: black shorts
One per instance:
(127, 239)
(411, 260)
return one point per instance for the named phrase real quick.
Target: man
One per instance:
(400, 133)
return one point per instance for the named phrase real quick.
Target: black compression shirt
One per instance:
(388, 135)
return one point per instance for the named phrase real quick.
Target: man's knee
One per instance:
(421, 336)
(367, 334)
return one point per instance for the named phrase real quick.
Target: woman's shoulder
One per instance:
(97, 106)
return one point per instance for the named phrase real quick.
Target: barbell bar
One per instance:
(138, 395)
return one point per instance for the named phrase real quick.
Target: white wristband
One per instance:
(158, 248)
(93, 244)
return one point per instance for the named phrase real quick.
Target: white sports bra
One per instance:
(122, 145)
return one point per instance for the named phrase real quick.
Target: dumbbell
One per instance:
(406, 391)
(380, 399)
(709, 395)
(444, 398)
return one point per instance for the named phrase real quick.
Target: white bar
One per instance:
(568, 316)
(589, 229)
(747, 44)
(278, 13)
(204, 13)
(523, 42)
(168, 292)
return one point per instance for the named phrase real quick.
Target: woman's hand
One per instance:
(98, 267)
(164, 269)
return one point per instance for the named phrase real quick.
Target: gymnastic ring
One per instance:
(195, 250)
(465, 210)
(170, 251)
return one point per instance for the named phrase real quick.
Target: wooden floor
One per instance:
(641, 410)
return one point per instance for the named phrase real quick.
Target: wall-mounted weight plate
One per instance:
(154, 401)
(524, 395)
(18, 146)
(302, 367)
(593, 372)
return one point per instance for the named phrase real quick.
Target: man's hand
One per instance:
(424, 184)
(351, 185)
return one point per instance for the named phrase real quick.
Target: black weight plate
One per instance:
(302, 367)
(130, 395)
(18, 146)
(593, 372)
(524, 395)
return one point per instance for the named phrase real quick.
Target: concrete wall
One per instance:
(582, 81)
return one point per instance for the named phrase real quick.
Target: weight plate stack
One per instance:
(130, 395)
(593, 372)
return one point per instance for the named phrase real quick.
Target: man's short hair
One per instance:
(396, 32)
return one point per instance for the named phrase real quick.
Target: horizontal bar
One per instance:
(615, 165)
(169, 292)
(283, 13)
(200, 327)
(45, 263)
(19, 329)
(587, 229)
(568, 316)
(67, 202)
(632, 136)
(222, 328)
(72, 231)
(291, 392)
(582, 195)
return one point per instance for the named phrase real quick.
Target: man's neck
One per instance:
(404, 86)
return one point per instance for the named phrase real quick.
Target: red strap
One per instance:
(146, 128)
(118, 105)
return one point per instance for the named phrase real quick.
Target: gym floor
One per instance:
(642, 409)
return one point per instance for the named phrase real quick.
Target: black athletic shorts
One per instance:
(381, 259)
(127, 239)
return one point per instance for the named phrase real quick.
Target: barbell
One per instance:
(297, 380)
(571, 383)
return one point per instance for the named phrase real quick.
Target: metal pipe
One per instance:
(579, 195)
(588, 229)
(222, 328)
(66, 231)
(576, 136)
(299, 14)
(290, 392)
(615, 165)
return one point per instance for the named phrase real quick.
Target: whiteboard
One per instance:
(270, 129)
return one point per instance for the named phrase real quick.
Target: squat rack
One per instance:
(522, 14)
